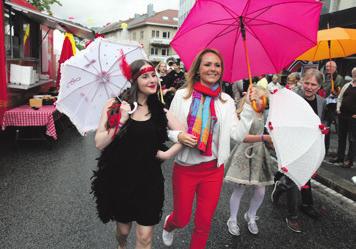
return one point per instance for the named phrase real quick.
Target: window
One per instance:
(165, 51)
(134, 36)
(154, 51)
(175, 19)
(166, 35)
(165, 18)
(155, 33)
(142, 33)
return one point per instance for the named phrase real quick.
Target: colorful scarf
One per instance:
(202, 117)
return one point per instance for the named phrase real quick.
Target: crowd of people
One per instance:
(200, 113)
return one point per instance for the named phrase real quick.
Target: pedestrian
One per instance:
(274, 84)
(172, 82)
(128, 183)
(249, 166)
(293, 83)
(199, 167)
(227, 88)
(311, 83)
(346, 110)
(331, 72)
(161, 69)
(331, 97)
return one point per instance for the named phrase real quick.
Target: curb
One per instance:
(336, 183)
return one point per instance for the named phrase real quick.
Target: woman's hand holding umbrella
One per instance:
(125, 111)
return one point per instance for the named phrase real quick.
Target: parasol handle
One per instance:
(134, 109)
(257, 107)
(261, 106)
(135, 105)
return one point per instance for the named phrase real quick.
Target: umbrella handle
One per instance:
(134, 109)
(259, 107)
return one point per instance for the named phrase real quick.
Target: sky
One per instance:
(97, 13)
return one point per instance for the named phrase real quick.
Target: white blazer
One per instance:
(229, 125)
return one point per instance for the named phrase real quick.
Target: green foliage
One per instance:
(44, 5)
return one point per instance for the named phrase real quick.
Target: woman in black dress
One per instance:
(128, 183)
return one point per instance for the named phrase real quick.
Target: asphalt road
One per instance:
(45, 202)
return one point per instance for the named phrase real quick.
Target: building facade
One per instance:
(337, 5)
(184, 8)
(153, 30)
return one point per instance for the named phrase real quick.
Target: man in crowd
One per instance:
(346, 110)
(331, 71)
(311, 83)
(331, 96)
(172, 82)
(274, 84)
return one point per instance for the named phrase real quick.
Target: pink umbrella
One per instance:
(276, 32)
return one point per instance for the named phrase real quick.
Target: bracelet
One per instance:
(262, 140)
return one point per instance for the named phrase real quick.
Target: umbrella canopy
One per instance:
(91, 77)
(297, 135)
(277, 31)
(332, 43)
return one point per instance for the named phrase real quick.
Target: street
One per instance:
(45, 202)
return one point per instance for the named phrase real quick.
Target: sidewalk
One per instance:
(336, 177)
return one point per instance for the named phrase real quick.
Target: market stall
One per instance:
(26, 50)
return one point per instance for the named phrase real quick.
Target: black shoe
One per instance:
(294, 225)
(310, 211)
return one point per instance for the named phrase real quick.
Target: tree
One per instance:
(44, 4)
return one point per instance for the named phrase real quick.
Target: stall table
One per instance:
(25, 116)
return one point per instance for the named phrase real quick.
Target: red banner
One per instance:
(3, 82)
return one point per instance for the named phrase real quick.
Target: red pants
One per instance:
(204, 180)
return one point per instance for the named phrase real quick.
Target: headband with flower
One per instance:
(126, 69)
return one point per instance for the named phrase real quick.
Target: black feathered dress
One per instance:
(128, 184)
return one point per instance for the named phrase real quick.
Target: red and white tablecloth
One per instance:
(26, 116)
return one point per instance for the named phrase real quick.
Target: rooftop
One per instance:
(167, 17)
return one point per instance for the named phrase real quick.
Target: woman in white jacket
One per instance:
(211, 120)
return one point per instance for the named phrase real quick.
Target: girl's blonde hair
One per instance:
(260, 92)
(193, 76)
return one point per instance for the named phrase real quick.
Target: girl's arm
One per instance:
(174, 126)
(171, 152)
(258, 138)
(103, 136)
(239, 127)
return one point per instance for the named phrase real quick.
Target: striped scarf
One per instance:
(202, 117)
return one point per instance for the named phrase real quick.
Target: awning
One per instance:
(53, 22)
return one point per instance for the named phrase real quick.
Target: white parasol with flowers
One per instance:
(93, 76)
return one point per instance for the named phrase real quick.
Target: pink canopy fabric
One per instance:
(277, 31)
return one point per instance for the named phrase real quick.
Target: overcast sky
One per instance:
(99, 12)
